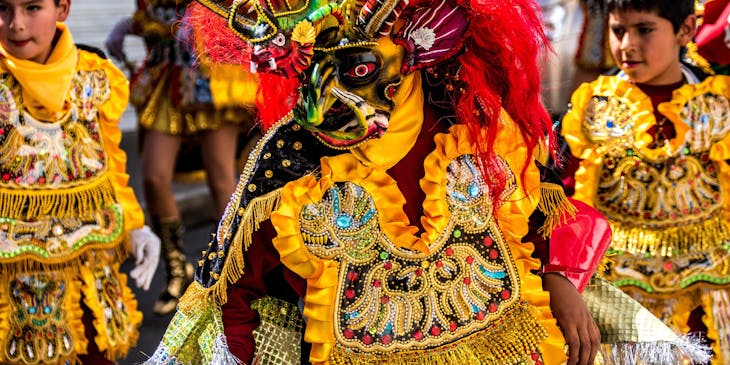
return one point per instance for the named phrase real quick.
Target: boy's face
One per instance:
(645, 47)
(28, 27)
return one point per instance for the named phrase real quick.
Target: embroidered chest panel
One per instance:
(394, 298)
(43, 155)
(667, 205)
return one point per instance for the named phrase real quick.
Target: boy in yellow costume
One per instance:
(653, 140)
(67, 217)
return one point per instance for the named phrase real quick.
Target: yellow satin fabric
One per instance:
(46, 86)
(321, 275)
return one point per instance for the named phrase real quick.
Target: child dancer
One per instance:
(653, 140)
(67, 216)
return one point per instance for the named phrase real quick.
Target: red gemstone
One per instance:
(453, 326)
(435, 331)
(6, 176)
(41, 180)
(467, 281)
(386, 339)
(419, 272)
(418, 335)
(506, 294)
(668, 266)
(488, 241)
(367, 339)
(439, 263)
(538, 362)
(388, 265)
(449, 251)
(384, 299)
(535, 356)
(352, 275)
(350, 293)
(493, 254)
(2, 131)
(492, 307)
(469, 260)
(376, 283)
(480, 315)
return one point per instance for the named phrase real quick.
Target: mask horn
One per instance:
(376, 17)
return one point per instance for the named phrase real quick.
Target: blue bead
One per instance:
(705, 118)
(609, 124)
(473, 190)
(344, 221)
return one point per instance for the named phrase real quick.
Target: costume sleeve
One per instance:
(239, 320)
(109, 115)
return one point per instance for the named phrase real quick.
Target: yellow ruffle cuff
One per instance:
(322, 275)
(109, 114)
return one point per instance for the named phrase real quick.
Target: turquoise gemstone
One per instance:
(473, 190)
(46, 309)
(344, 221)
(32, 310)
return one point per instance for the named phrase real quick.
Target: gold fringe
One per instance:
(257, 211)
(555, 205)
(670, 241)
(78, 202)
(511, 340)
(115, 252)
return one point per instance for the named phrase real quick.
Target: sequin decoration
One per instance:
(112, 301)
(393, 298)
(35, 154)
(60, 237)
(38, 332)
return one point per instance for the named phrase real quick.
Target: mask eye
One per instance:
(361, 71)
(279, 40)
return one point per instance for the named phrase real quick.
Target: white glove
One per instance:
(115, 41)
(146, 250)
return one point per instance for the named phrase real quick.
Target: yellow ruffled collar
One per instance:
(45, 86)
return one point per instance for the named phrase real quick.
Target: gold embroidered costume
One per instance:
(667, 204)
(65, 208)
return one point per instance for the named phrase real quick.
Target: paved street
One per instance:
(153, 326)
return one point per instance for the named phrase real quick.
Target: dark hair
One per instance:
(676, 11)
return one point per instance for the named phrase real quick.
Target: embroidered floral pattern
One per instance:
(38, 332)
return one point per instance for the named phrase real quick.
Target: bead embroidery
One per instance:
(393, 297)
(36, 154)
(38, 331)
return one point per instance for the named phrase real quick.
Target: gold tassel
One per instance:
(79, 202)
(257, 211)
(555, 205)
(509, 340)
